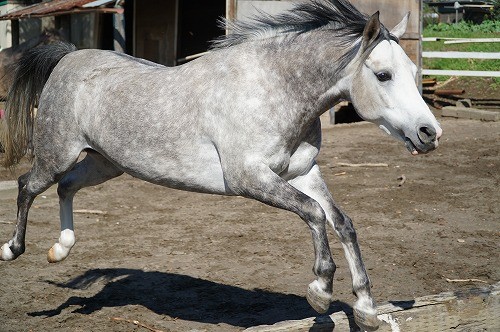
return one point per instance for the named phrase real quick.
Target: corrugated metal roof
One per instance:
(60, 7)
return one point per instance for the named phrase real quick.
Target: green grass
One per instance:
(488, 29)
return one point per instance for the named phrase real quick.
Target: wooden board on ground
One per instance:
(470, 113)
(477, 309)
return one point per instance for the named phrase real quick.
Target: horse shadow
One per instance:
(189, 298)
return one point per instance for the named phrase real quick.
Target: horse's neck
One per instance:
(309, 74)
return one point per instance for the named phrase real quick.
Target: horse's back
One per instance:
(131, 111)
(178, 126)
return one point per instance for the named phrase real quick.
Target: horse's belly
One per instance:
(196, 168)
(197, 177)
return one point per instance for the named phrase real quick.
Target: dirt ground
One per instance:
(178, 261)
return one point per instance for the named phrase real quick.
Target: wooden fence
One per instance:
(462, 55)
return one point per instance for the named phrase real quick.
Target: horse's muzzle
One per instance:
(428, 138)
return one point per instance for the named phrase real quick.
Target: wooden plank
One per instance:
(460, 73)
(462, 55)
(437, 38)
(477, 309)
(470, 113)
(473, 40)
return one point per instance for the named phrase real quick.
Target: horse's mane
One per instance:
(339, 16)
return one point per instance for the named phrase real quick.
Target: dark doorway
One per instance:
(198, 26)
(155, 30)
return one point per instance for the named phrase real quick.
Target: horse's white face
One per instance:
(384, 92)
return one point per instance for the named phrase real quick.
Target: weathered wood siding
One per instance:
(391, 13)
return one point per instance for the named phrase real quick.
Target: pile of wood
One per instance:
(438, 97)
(451, 102)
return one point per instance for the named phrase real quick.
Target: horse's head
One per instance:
(384, 92)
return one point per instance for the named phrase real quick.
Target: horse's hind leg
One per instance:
(40, 178)
(92, 170)
(365, 311)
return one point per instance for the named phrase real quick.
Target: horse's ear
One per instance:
(371, 31)
(399, 30)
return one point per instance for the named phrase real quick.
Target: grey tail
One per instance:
(31, 73)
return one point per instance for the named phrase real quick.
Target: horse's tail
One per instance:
(31, 73)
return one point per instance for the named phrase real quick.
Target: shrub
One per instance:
(495, 13)
(463, 27)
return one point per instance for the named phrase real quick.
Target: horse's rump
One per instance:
(32, 72)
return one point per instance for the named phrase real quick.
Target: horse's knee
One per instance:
(314, 215)
(347, 233)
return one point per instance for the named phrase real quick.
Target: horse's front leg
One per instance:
(312, 184)
(262, 184)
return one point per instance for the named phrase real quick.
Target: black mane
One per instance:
(339, 16)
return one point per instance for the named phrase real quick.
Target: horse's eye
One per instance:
(383, 76)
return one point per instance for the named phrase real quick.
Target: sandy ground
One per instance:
(178, 261)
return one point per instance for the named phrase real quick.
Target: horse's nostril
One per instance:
(427, 134)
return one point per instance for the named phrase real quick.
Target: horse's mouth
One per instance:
(410, 146)
(419, 148)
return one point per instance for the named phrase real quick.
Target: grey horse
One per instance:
(241, 120)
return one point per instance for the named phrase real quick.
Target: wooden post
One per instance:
(119, 31)
(231, 9)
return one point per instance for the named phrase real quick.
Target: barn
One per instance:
(169, 32)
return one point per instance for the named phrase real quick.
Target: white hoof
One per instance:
(318, 298)
(57, 253)
(365, 315)
(61, 249)
(6, 254)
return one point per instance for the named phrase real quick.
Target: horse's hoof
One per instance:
(366, 318)
(6, 254)
(57, 253)
(318, 298)
(51, 257)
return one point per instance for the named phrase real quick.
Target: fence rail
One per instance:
(475, 73)
(462, 55)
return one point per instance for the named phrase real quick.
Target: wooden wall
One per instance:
(391, 13)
